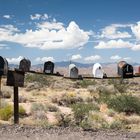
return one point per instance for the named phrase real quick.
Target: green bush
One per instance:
(125, 103)
(6, 113)
(22, 111)
(81, 111)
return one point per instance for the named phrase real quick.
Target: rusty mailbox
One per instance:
(48, 67)
(15, 78)
(3, 66)
(25, 65)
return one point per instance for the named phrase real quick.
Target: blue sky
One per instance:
(79, 30)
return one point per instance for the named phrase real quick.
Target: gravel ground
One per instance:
(16, 132)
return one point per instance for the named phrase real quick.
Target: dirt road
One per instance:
(15, 132)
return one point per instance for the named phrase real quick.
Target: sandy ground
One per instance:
(15, 132)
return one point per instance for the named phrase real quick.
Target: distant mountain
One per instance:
(66, 64)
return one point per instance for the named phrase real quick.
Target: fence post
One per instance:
(16, 106)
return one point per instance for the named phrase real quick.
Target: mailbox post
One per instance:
(15, 79)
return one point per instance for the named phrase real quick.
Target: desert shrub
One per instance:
(38, 107)
(64, 120)
(104, 96)
(39, 115)
(86, 83)
(81, 110)
(52, 108)
(67, 100)
(6, 113)
(43, 123)
(116, 124)
(22, 111)
(22, 99)
(94, 120)
(120, 86)
(125, 103)
(41, 79)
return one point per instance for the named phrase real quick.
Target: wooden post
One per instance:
(16, 106)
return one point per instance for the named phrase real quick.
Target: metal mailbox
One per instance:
(48, 67)
(3, 66)
(15, 78)
(25, 65)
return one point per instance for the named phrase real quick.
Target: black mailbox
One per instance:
(3, 66)
(48, 67)
(15, 78)
(25, 65)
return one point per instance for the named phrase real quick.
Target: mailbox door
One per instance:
(15, 78)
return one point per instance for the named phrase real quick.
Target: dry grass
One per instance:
(59, 94)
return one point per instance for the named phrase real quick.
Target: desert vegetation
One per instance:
(89, 104)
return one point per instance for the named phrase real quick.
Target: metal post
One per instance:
(16, 106)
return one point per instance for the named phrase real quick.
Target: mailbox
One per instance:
(15, 78)
(3, 66)
(25, 65)
(48, 67)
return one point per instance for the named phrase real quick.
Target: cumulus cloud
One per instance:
(112, 32)
(114, 44)
(7, 16)
(115, 57)
(92, 58)
(136, 30)
(15, 60)
(44, 59)
(48, 36)
(76, 57)
(39, 16)
(51, 25)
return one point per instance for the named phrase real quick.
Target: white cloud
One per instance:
(136, 47)
(14, 60)
(7, 16)
(136, 30)
(114, 44)
(35, 17)
(127, 58)
(39, 16)
(93, 58)
(51, 25)
(76, 57)
(115, 57)
(44, 59)
(112, 32)
(45, 37)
